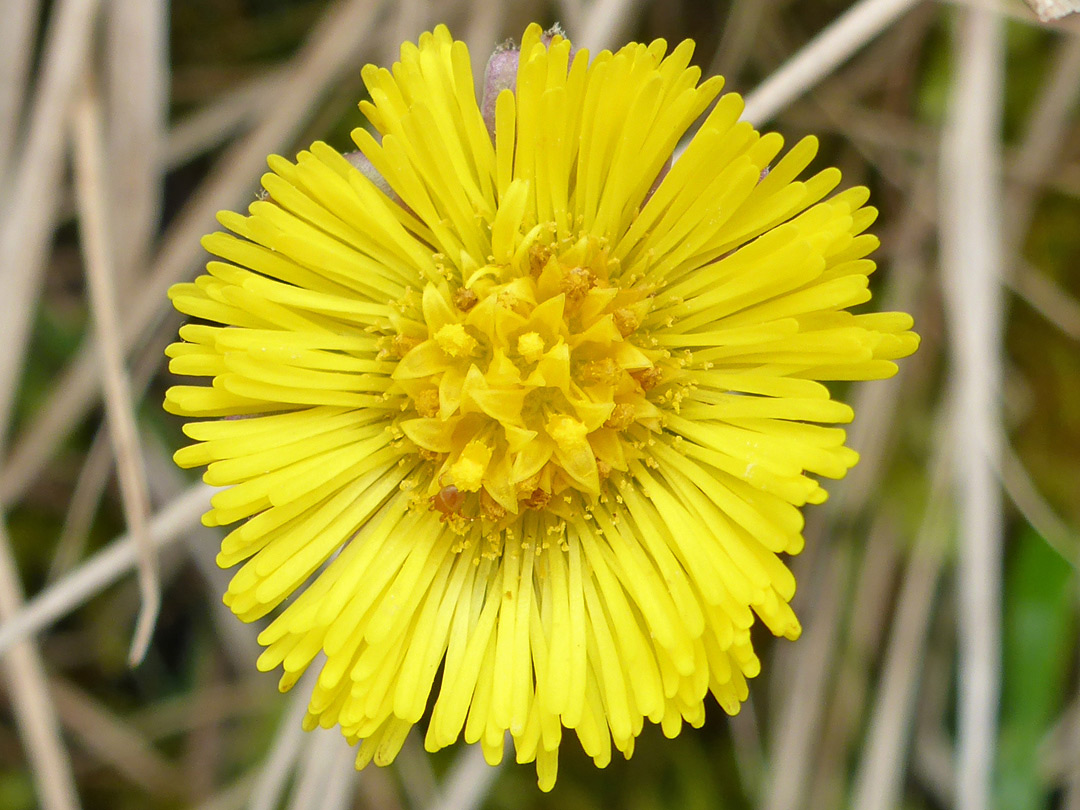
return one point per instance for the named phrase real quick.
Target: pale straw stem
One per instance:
(27, 212)
(232, 797)
(70, 397)
(821, 56)
(932, 765)
(800, 718)
(238, 639)
(322, 755)
(881, 770)
(933, 761)
(468, 783)
(339, 790)
(1039, 514)
(31, 703)
(101, 276)
(740, 31)
(606, 22)
(114, 742)
(334, 44)
(220, 119)
(1013, 10)
(95, 474)
(1047, 298)
(136, 96)
(215, 702)
(852, 685)
(413, 765)
(103, 568)
(1040, 148)
(288, 741)
(16, 54)
(482, 33)
(82, 506)
(748, 748)
(571, 14)
(26, 215)
(971, 221)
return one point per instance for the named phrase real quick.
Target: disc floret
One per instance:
(529, 379)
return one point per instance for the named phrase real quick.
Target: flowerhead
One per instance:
(519, 414)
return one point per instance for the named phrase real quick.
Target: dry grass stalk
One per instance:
(1038, 513)
(748, 748)
(413, 765)
(238, 640)
(82, 506)
(1048, 10)
(341, 783)
(800, 715)
(851, 687)
(468, 782)
(94, 475)
(932, 766)
(114, 742)
(821, 56)
(971, 256)
(136, 95)
(103, 568)
(1040, 147)
(1047, 298)
(221, 119)
(332, 47)
(31, 702)
(325, 754)
(881, 771)
(737, 41)
(284, 750)
(101, 272)
(27, 211)
(233, 797)
(606, 22)
(1012, 10)
(16, 54)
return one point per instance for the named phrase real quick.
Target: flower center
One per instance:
(528, 382)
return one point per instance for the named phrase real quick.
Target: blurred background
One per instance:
(938, 591)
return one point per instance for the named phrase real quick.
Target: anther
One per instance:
(576, 284)
(649, 378)
(600, 372)
(403, 344)
(465, 299)
(531, 346)
(625, 321)
(538, 499)
(427, 402)
(492, 509)
(454, 340)
(621, 418)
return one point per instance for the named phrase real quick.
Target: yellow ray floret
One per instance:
(519, 415)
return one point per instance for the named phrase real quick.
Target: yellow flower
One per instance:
(529, 412)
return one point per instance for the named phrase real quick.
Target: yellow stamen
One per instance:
(566, 431)
(531, 346)
(468, 470)
(455, 341)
